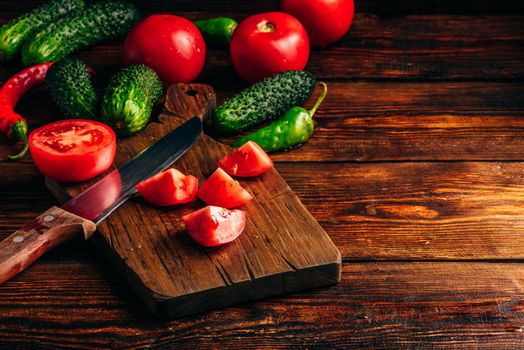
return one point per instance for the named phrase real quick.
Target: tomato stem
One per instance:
(320, 99)
(267, 27)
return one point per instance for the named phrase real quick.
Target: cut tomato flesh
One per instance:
(63, 141)
(222, 190)
(212, 226)
(73, 149)
(247, 160)
(71, 136)
(169, 187)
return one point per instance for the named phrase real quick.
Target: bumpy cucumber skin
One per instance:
(14, 33)
(130, 98)
(70, 86)
(267, 99)
(97, 23)
(217, 31)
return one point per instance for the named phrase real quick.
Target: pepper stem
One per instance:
(320, 99)
(21, 153)
(19, 132)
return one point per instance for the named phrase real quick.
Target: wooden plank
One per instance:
(408, 211)
(469, 7)
(412, 47)
(72, 298)
(376, 305)
(439, 47)
(283, 248)
(384, 211)
(380, 7)
(414, 121)
(426, 48)
(346, 99)
(378, 121)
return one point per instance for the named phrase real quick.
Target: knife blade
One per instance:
(81, 214)
(92, 203)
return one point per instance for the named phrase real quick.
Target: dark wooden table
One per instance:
(416, 171)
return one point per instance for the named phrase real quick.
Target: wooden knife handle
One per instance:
(50, 229)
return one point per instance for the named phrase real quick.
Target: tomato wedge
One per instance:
(73, 149)
(247, 160)
(212, 226)
(222, 190)
(169, 187)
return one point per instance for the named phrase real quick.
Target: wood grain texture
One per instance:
(441, 48)
(416, 47)
(283, 249)
(385, 121)
(27, 244)
(383, 305)
(408, 211)
(209, 8)
(362, 122)
(426, 80)
(378, 211)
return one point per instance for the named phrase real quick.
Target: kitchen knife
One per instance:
(81, 214)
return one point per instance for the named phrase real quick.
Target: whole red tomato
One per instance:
(269, 43)
(326, 21)
(171, 45)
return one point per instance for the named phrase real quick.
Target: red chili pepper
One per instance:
(11, 123)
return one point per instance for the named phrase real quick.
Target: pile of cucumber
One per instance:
(126, 105)
(61, 27)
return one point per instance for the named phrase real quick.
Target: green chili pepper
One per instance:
(217, 31)
(290, 131)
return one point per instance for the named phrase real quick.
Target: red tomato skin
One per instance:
(73, 167)
(171, 45)
(213, 226)
(222, 190)
(326, 21)
(169, 187)
(246, 161)
(257, 54)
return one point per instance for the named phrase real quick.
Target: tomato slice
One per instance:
(222, 190)
(212, 226)
(169, 187)
(247, 160)
(73, 149)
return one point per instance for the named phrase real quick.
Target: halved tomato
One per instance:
(222, 190)
(169, 187)
(212, 226)
(247, 160)
(73, 149)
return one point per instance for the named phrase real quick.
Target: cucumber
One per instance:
(267, 99)
(70, 86)
(14, 33)
(97, 23)
(129, 99)
(217, 31)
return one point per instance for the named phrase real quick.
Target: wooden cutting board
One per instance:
(283, 248)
